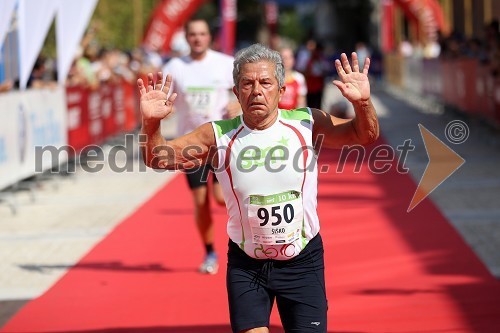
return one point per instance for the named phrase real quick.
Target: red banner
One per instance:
(496, 104)
(465, 80)
(387, 29)
(96, 115)
(78, 118)
(229, 14)
(168, 16)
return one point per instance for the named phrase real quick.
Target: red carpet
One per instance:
(387, 270)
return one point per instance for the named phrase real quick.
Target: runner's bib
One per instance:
(277, 218)
(201, 100)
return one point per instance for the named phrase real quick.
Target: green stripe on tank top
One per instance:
(297, 114)
(242, 244)
(303, 235)
(227, 125)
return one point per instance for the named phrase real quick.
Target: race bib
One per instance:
(201, 100)
(277, 218)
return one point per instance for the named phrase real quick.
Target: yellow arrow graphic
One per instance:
(443, 162)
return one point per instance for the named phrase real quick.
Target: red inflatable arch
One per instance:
(167, 18)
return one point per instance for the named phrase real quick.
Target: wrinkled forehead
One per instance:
(258, 70)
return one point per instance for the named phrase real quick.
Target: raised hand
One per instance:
(154, 102)
(353, 83)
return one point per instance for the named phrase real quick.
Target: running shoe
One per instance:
(210, 265)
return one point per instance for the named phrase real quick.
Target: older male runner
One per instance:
(267, 168)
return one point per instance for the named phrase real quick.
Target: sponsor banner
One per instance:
(107, 109)
(10, 141)
(43, 112)
(448, 76)
(496, 104)
(78, 118)
(432, 81)
(96, 123)
(463, 82)
(131, 107)
(412, 74)
(96, 115)
(35, 118)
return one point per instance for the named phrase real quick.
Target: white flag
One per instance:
(6, 9)
(34, 19)
(72, 19)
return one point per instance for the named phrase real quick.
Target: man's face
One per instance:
(198, 36)
(258, 91)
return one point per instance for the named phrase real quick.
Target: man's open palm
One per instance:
(353, 83)
(154, 102)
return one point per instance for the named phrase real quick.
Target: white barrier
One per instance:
(29, 119)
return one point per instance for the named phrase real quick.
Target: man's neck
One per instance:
(257, 123)
(198, 56)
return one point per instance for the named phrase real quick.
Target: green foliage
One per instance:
(49, 46)
(112, 18)
(290, 26)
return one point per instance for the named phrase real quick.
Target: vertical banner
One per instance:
(229, 15)
(34, 19)
(72, 19)
(6, 9)
(271, 15)
(167, 17)
(387, 29)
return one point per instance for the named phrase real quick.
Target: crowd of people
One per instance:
(92, 66)
(484, 49)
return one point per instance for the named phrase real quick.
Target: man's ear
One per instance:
(282, 91)
(235, 91)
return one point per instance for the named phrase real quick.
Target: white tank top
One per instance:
(269, 180)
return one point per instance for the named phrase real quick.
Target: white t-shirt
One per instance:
(269, 180)
(202, 88)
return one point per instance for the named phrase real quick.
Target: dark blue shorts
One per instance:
(298, 285)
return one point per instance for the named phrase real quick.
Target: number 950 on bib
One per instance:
(277, 218)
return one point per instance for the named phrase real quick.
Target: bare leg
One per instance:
(217, 192)
(206, 229)
(202, 214)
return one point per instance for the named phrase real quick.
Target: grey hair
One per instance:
(255, 53)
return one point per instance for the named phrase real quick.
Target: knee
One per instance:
(220, 200)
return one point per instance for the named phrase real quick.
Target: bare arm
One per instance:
(301, 103)
(363, 129)
(187, 151)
